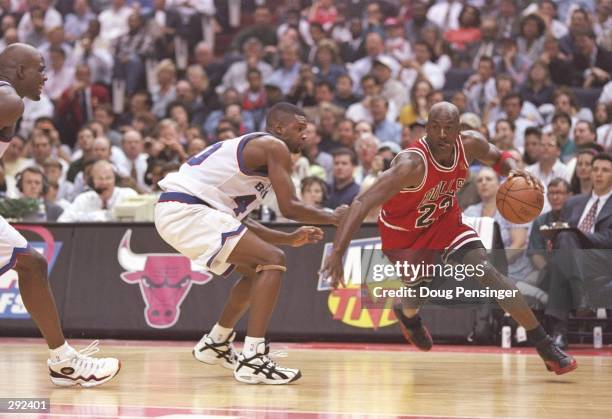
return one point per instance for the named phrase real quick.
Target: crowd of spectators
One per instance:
(136, 87)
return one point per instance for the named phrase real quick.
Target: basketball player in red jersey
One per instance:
(420, 212)
(22, 74)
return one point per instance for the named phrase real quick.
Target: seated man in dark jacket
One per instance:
(583, 252)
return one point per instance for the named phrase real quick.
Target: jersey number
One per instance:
(243, 202)
(427, 211)
(198, 159)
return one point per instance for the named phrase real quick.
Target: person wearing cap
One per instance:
(385, 70)
(396, 44)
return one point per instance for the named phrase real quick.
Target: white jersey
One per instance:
(4, 142)
(218, 175)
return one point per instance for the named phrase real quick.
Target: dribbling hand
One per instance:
(305, 235)
(531, 179)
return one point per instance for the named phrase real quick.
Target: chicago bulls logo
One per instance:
(164, 279)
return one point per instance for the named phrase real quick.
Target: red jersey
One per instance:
(415, 209)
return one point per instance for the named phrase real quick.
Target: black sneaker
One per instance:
(555, 358)
(261, 369)
(417, 334)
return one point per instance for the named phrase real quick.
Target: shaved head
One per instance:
(444, 110)
(23, 66)
(17, 54)
(443, 130)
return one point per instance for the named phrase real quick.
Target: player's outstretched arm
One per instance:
(407, 171)
(299, 237)
(279, 171)
(477, 147)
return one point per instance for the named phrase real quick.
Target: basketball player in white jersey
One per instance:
(22, 74)
(203, 214)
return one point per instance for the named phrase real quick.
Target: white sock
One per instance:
(219, 333)
(251, 345)
(61, 353)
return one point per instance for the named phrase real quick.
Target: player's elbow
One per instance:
(288, 210)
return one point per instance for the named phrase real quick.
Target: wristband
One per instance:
(504, 156)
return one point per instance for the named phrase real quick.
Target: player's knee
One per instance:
(275, 257)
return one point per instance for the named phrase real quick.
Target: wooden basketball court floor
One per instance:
(161, 379)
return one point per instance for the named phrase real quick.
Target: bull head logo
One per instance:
(164, 279)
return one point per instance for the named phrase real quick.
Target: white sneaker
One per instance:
(210, 352)
(83, 369)
(261, 369)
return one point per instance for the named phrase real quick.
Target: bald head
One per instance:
(442, 129)
(444, 110)
(23, 66)
(18, 54)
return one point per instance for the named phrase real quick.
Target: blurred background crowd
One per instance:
(140, 86)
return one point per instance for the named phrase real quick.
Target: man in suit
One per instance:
(592, 63)
(580, 253)
(75, 106)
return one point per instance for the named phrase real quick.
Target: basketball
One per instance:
(519, 202)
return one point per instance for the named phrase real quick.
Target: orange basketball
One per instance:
(518, 202)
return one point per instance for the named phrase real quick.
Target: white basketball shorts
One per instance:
(203, 234)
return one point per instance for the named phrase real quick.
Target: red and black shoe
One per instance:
(413, 330)
(555, 359)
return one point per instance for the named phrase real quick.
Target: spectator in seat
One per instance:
(32, 183)
(548, 165)
(538, 88)
(537, 247)
(592, 63)
(97, 204)
(313, 191)
(77, 103)
(581, 182)
(562, 126)
(343, 188)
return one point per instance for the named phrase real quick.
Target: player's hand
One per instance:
(339, 214)
(305, 235)
(334, 268)
(531, 179)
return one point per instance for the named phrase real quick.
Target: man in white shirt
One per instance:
(549, 166)
(135, 162)
(422, 67)
(60, 75)
(52, 18)
(97, 204)
(235, 76)
(114, 21)
(374, 46)
(445, 14)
